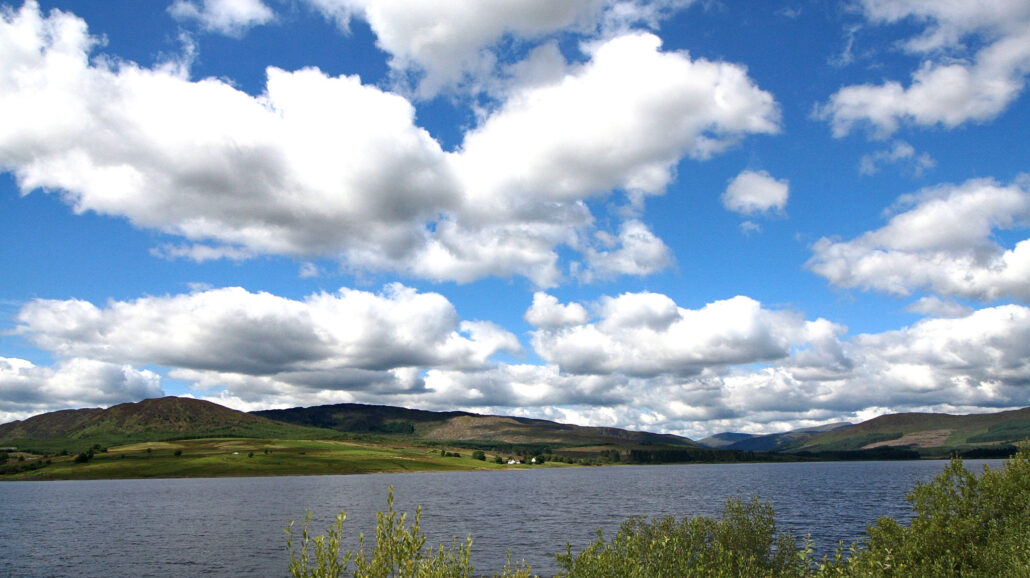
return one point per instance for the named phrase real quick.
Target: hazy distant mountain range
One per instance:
(766, 442)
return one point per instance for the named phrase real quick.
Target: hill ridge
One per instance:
(459, 425)
(152, 419)
(928, 433)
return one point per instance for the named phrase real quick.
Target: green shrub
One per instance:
(743, 543)
(964, 526)
(398, 551)
(327, 561)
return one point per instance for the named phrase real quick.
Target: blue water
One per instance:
(234, 526)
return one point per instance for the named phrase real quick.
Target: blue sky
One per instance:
(679, 216)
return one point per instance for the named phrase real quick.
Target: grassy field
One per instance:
(226, 457)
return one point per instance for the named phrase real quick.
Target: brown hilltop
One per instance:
(175, 414)
(165, 418)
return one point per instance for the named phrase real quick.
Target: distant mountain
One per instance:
(725, 439)
(459, 426)
(148, 420)
(930, 434)
(771, 442)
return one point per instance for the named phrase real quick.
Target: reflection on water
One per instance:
(234, 526)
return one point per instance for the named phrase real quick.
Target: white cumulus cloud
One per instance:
(27, 389)
(950, 87)
(647, 334)
(933, 305)
(321, 166)
(440, 44)
(230, 17)
(347, 340)
(941, 240)
(756, 192)
(635, 251)
(547, 313)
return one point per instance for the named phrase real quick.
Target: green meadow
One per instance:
(226, 457)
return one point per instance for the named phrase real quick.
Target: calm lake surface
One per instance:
(234, 526)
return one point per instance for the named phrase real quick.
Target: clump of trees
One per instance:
(8, 466)
(964, 525)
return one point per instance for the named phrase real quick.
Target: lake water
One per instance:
(234, 526)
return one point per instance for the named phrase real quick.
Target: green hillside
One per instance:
(159, 419)
(362, 418)
(929, 434)
(228, 457)
(464, 427)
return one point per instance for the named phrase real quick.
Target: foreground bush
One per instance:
(398, 551)
(964, 525)
(743, 543)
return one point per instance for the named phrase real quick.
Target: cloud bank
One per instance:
(636, 360)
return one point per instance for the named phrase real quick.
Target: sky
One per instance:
(680, 216)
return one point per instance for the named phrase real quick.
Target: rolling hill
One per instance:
(929, 434)
(148, 420)
(174, 418)
(469, 428)
(182, 437)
